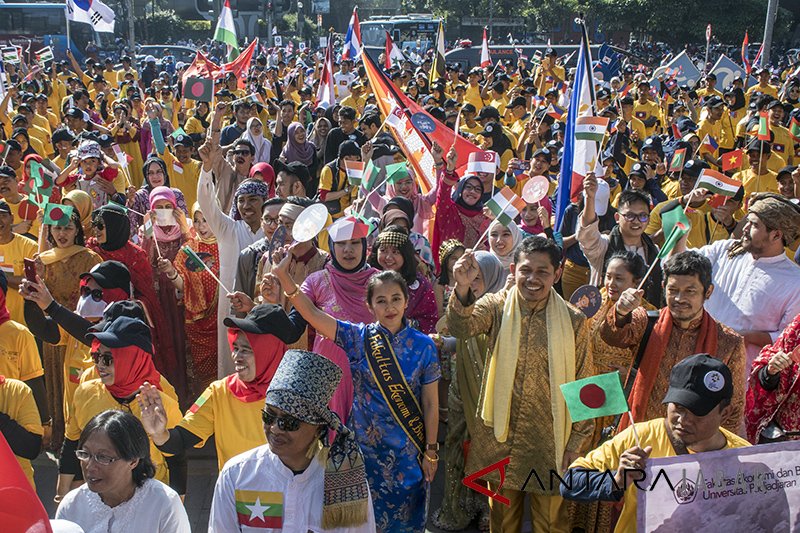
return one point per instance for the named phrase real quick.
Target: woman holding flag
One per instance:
(138, 203)
(125, 131)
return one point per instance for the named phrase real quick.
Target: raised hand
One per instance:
(154, 417)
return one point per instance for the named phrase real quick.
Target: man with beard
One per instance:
(757, 287)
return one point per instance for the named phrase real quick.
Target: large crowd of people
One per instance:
(159, 286)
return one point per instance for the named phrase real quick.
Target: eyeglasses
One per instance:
(240, 152)
(269, 221)
(473, 188)
(96, 294)
(631, 217)
(107, 358)
(99, 458)
(285, 423)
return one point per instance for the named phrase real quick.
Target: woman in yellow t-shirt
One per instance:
(230, 408)
(20, 420)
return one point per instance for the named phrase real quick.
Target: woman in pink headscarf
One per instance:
(299, 148)
(169, 231)
(407, 188)
(265, 173)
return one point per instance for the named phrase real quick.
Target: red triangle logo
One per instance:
(469, 481)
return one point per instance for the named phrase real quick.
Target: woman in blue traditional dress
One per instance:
(396, 416)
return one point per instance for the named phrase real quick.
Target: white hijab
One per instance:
(262, 144)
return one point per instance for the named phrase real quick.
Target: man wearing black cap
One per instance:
(710, 89)
(788, 179)
(782, 142)
(549, 73)
(519, 111)
(468, 123)
(473, 94)
(646, 109)
(637, 131)
(698, 399)
(711, 125)
(758, 177)
(497, 97)
(763, 86)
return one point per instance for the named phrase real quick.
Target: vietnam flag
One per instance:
(259, 509)
(594, 397)
(732, 160)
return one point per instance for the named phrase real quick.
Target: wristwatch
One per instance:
(433, 447)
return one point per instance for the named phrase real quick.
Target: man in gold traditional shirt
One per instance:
(539, 342)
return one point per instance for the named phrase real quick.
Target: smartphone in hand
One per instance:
(30, 269)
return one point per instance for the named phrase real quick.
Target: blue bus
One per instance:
(414, 32)
(34, 26)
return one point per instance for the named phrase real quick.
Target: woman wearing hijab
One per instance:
(169, 232)
(82, 203)
(407, 188)
(254, 132)
(59, 267)
(494, 138)
(299, 148)
(125, 130)
(319, 136)
(461, 504)
(146, 137)
(459, 213)
(735, 112)
(229, 408)
(122, 352)
(197, 124)
(503, 242)
(200, 296)
(138, 203)
(265, 173)
(21, 136)
(393, 250)
(112, 230)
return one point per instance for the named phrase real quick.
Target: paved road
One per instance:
(202, 476)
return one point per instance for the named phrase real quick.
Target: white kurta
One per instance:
(265, 489)
(154, 508)
(233, 236)
(752, 294)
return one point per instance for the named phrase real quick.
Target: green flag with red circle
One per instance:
(594, 397)
(57, 214)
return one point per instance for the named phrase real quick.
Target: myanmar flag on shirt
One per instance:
(198, 403)
(261, 509)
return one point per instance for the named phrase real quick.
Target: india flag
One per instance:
(506, 206)
(355, 171)
(226, 31)
(589, 128)
(259, 509)
(718, 183)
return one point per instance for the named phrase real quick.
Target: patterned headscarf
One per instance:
(302, 386)
(249, 186)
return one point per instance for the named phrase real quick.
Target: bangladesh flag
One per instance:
(57, 214)
(594, 397)
(675, 225)
(259, 509)
(396, 171)
(763, 126)
(676, 163)
(794, 129)
(193, 261)
(369, 176)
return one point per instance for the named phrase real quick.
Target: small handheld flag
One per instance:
(556, 112)
(485, 58)
(396, 171)
(794, 129)
(732, 160)
(594, 397)
(675, 225)
(709, 143)
(57, 215)
(676, 163)
(589, 128)
(506, 206)
(196, 262)
(200, 89)
(718, 183)
(355, 171)
(763, 126)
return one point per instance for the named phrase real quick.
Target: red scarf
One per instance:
(268, 350)
(132, 367)
(5, 316)
(654, 353)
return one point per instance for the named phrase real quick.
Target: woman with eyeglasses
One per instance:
(112, 229)
(59, 267)
(459, 212)
(120, 493)
(122, 353)
(138, 201)
(229, 408)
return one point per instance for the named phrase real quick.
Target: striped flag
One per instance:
(794, 129)
(746, 54)
(177, 167)
(355, 171)
(486, 60)
(438, 68)
(45, 54)
(352, 39)
(710, 143)
(506, 206)
(259, 509)
(226, 31)
(198, 403)
(555, 112)
(763, 126)
(718, 183)
(589, 128)
(325, 96)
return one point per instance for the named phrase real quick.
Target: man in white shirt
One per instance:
(287, 484)
(756, 286)
(343, 79)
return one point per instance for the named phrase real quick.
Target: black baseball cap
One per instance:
(295, 168)
(694, 167)
(488, 112)
(518, 101)
(4, 207)
(757, 146)
(7, 172)
(124, 331)
(184, 140)
(110, 275)
(265, 319)
(544, 152)
(638, 170)
(699, 383)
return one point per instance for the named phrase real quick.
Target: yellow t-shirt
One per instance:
(763, 89)
(707, 128)
(644, 111)
(326, 183)
(236, 425)
(701, 232)
(17, 218)
(16, 400)
(12, 257)
(19, 357)
(500, 104)
(652, 433)
(92, 398)
(183, 177)
(473, 96)
(752, 183)
(782, 144)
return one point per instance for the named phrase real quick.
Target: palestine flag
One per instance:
(594, 397)
(259, 509)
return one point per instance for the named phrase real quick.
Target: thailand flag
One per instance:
(352, 39)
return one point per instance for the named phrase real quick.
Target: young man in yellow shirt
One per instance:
(698, 399)
(758, 178)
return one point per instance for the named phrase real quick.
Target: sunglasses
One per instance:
(106, 358)
(96, 294)
(285, 423)
(631, 217)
